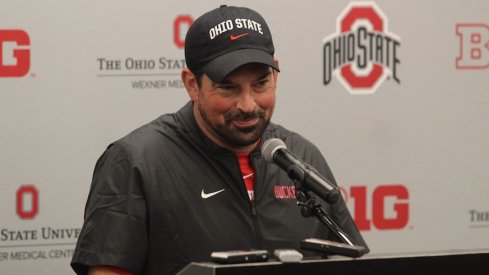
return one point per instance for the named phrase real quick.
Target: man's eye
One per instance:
(261, 84)
(227, 88)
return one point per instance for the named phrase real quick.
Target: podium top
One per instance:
(453, 262)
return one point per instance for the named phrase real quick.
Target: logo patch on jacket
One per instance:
(284, 191)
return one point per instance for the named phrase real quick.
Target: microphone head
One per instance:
(269, 148)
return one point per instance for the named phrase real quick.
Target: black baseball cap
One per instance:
(226, 38)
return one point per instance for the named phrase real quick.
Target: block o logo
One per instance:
(180, 27)
(27, 200)
(362, 54)
(14, 54)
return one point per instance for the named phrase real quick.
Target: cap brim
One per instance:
(221, 66)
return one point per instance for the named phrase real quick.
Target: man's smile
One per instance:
(246, 122)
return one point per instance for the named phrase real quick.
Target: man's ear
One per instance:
(275, 72)
(190, 83)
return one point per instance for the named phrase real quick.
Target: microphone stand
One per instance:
(310, 207)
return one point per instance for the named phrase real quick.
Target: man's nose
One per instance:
(246, 101)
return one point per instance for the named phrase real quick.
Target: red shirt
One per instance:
(248, 174)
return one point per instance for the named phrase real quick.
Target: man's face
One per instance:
(235, 113)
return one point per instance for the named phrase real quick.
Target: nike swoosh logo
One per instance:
(247, 176)
(206, 196)
(233, 38)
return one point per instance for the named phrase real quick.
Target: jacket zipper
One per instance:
(253, 209)
(254, 216)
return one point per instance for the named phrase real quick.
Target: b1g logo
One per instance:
(388, 206)
(474, 46)
(14, 54)
(362, 53)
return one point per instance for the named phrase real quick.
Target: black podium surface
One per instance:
(460, 262)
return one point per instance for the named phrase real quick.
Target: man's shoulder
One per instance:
(154, 131)
(160, 130)
(289, 137)
(155, 137)
(160, 138)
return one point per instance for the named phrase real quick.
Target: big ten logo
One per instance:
(180, 28)
(386, 207)
(474, 46)
(27, 202)
(14, 53)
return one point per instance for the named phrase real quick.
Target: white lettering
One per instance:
(242, 23)
(220, 28)
(239, 25)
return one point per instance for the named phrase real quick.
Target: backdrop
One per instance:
(394, 93)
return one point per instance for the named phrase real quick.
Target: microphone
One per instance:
(274, 150)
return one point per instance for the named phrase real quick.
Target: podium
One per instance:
(460, 262)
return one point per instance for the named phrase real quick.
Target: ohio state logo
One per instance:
(362, 53)
(27, 202)
(180, 28)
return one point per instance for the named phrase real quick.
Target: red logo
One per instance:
(234, 38)
(14, 54)
(474, 46)
(284, 192)
(180, 28)
(388, 204)
(27, 199)
(362, 54)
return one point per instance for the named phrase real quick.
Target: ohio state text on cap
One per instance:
(226, 38)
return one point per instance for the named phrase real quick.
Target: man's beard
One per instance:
(238, 136)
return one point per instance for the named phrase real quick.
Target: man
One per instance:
(194, 182)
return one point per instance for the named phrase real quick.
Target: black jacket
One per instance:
(146, 212)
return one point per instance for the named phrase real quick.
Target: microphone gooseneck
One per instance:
(274, 150)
